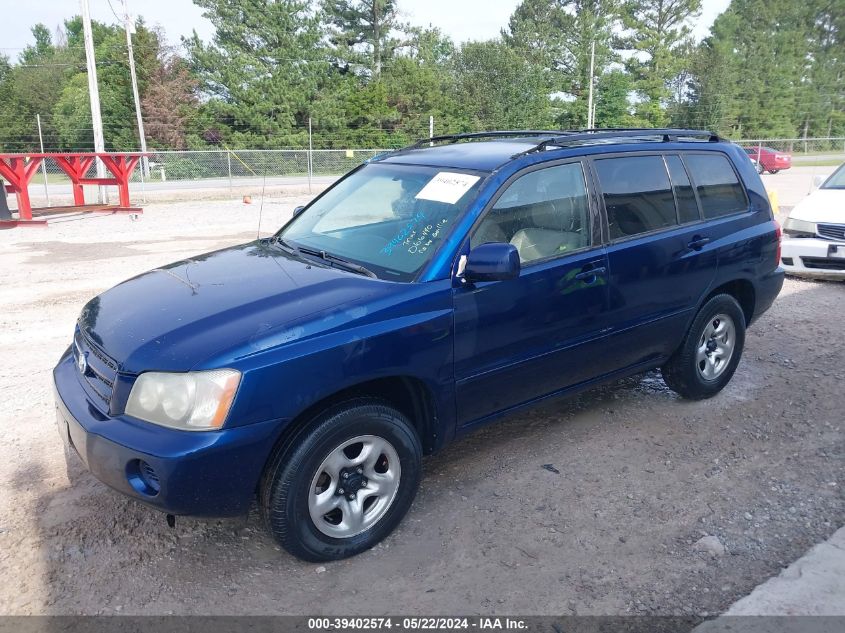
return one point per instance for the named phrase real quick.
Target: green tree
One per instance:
(32, 87)
(421, 83)
(612, 104)
(5, 67)
(363, 33)
(557, 35)
(43, 47)
(821, 104)
(747, 76)
(496, 88)
(72, 111)
(261, 71)
(658, 35)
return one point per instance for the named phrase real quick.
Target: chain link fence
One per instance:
(226, 168)
(230, 165)
(804, 151)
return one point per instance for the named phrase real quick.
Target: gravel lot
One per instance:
(592, 505)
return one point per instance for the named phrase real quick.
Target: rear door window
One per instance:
(684, 195)
(718, 187)
(637, 195)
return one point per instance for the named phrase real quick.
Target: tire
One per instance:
(773, 171)
(702, 366)
(382, 481)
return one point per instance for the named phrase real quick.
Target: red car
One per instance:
(770, 159)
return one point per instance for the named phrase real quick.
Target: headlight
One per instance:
(193, 401)
(799, 228)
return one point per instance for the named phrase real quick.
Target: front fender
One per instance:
(408, 338)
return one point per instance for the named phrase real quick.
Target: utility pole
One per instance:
(130, 28)
(310, 155)
(590, 118)
(94, 95)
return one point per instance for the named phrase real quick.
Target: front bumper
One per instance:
(812, 257)
(211, 473)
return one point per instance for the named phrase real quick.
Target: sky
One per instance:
(461, 19)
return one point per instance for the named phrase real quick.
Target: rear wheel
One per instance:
(774, 171)
(345, 483)
(710, 352)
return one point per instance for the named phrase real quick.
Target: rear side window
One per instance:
(719, 190)
(684, 196)
(637, 195)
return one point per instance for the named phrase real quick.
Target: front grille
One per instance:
(826, 263)
(101, 371)
(831, 231)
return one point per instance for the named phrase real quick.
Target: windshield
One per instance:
(388, 218)
(836, 180)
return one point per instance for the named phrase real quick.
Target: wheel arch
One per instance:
(743, 291)
(408, 394)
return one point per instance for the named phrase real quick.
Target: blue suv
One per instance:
(428, 292)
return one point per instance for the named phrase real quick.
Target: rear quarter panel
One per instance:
(747, 242)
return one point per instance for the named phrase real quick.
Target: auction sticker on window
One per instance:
(447, 186)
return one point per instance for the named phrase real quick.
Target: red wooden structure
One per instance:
(19, 169)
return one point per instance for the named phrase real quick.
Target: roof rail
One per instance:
(587, 136)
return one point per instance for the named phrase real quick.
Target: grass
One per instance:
(827, 162)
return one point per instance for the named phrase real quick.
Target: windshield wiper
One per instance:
(280, 241)
(341, 263)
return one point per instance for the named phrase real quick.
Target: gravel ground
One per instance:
(623, 500)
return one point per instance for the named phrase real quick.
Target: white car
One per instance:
(814, 233)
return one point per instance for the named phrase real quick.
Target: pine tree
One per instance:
(822, 101)
(748, 73)
(362, 32)
(261, 70)
(658, 34)
(496, 88)
(557, 36)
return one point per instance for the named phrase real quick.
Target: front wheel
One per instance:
(345, 483)
(773, 171)
(710, 352)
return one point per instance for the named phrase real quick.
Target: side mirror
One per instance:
(495, 261)
(298, 210)
(818, 181)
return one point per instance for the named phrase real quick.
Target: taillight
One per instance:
(779, 235)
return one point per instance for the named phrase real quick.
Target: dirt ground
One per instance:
(591, 505)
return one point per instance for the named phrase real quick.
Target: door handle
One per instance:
(590, 274)
(698, 243)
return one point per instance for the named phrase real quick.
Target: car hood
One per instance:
(174, 317)
(823, 205)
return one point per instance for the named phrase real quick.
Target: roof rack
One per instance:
(587, 136)
(469, 136)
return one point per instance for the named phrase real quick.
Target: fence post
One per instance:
(43, 162)
(143, 183)
(229, 165)
(431, 127)
(310, 157)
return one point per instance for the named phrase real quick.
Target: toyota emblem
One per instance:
(82, 362)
